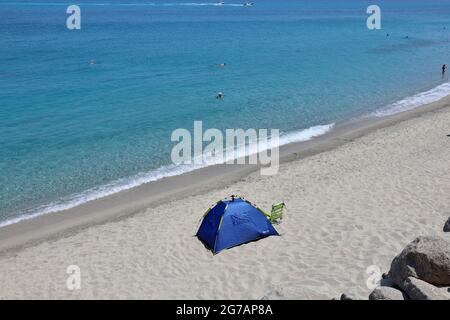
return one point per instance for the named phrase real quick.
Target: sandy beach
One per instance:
(354, 199)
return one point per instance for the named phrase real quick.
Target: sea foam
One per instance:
(414, 101)
(160, 173)
(72, 201)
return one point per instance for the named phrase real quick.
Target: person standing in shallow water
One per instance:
(444, 68)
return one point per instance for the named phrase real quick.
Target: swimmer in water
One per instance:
(219, 95)
(222, 65)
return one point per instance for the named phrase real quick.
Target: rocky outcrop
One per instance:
(426, 258)
(417, 289)
(420, 272)
(387, 293)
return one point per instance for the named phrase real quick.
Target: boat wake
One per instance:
(151, 4)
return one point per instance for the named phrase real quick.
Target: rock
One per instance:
(387, 282)
(447, 226)
(387, 293)
(426, 258)
(421, 290)
(345, 296)
(276, 294)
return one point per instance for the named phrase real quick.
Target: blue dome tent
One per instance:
(232, 222)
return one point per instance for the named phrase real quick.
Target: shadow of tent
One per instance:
(238, 245)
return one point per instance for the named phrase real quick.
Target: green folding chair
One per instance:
(276, 214)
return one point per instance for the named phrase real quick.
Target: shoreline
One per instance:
(126, 203)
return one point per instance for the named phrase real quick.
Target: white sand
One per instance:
(348, 208)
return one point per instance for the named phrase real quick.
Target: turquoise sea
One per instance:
(72, 130)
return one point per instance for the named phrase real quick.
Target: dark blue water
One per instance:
(71, 131)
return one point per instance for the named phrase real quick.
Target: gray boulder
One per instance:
(345, 296)
(426, 258)
(421, 290)
(387, 282)
(387, 293)
(447, 226)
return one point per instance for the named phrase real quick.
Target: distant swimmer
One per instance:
(222, 65)
(444, 68)
(406, 37)
(92, 61)
(248, 4)
(220, 95)
(387, 34)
